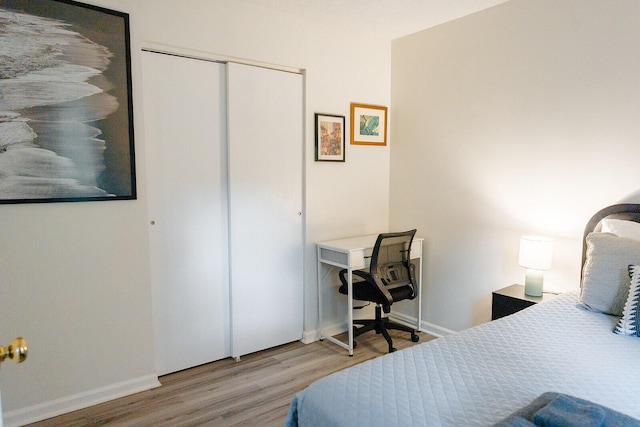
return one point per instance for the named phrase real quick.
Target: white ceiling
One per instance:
(388, 19)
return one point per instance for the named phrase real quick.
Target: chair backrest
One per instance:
(390, 259)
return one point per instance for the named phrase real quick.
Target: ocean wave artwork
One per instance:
(65, 132)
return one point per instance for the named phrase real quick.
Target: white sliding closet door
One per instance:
(265, 134)
(185, 135)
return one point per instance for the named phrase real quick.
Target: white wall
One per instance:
(519, 119)
(75, 277)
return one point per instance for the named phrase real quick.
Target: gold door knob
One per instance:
(16, 350)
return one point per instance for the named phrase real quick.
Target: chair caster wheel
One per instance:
(415, 337)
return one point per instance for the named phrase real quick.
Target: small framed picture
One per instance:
(368, 124)
(329, 138)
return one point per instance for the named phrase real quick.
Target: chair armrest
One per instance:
(375, 280)
(412, 274)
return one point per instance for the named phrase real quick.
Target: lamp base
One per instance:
(533, 283)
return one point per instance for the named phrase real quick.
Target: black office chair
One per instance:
(391, 278)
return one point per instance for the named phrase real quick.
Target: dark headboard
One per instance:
(629, 212)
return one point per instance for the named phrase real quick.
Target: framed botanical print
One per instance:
(330, 138)
(368, 124)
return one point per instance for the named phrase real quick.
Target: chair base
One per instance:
(381, 325)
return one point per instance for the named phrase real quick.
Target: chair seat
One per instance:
(362, 291)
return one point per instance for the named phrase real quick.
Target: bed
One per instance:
(483, 375)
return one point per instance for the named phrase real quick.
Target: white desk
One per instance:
(351, 254)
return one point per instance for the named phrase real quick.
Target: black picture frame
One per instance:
(66, 117)
(329, 138)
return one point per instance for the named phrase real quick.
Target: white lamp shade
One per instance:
(535, 252)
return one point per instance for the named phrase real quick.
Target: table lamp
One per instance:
(535, 256)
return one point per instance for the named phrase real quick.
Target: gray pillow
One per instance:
(605, 278)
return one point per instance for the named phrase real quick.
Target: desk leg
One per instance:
(349, 345)
(320, 307)
(350, 308)
(418, 327)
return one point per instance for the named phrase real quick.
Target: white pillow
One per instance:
(629, 324)
(621, 228)
(605, 278)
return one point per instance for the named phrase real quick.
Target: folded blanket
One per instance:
(561, 410)
(566, 411)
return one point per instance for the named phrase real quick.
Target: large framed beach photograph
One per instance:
(368, 124)
(329, 138)
(66, 113)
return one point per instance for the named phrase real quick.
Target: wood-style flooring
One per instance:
(253, 392)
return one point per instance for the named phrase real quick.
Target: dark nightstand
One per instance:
(512, 299)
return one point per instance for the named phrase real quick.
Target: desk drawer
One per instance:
(333, 257)
(416, 249)
(361, 258)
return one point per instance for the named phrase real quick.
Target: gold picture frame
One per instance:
(368, 124)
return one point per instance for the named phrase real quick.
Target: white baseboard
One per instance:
(437, 331)
(429, 328)
(74, 402)
(310, 336)
(314, 335)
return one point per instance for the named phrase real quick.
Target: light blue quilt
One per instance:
(479, 376)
